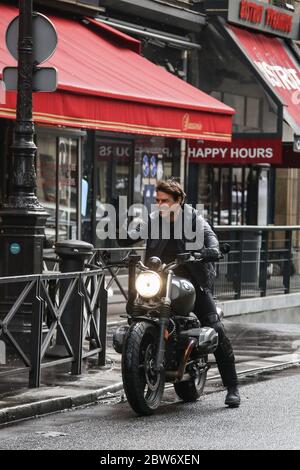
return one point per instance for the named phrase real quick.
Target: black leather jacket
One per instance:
(201, 273)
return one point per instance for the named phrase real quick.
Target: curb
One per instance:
(43, 407)
(53, 405)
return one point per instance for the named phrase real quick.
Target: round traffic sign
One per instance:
(44, 38)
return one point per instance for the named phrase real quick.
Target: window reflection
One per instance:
(57, 184)
(67, 188)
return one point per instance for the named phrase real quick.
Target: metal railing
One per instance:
(42, 300)
(264, 260)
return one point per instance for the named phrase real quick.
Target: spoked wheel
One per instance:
(143, 385)
(191, 389)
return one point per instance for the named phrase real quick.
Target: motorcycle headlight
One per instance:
(148, 284)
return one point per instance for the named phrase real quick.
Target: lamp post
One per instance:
(22, 216)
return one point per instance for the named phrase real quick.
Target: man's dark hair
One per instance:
(172, 187)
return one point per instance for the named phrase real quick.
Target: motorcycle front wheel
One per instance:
(191, 389)
(143, 385)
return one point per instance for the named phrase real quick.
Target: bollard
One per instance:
(72, 256)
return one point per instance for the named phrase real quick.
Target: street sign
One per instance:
(44, 38)
(297, 143)
(44, 79)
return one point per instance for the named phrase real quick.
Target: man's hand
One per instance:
(211, 254)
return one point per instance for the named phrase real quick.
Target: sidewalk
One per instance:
(256, 346)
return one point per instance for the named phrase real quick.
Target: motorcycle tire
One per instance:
(143, 386)
(190, 390)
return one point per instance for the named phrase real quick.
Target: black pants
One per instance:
(205, 309)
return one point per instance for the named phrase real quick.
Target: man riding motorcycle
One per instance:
(170, 199)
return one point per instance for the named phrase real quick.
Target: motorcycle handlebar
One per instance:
(207, 255)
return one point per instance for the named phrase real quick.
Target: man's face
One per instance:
(165, 203)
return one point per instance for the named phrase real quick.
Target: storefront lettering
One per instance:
(114, 150)
(251, 12)
(278, 21)
(280, 77)
(232, 153)
(187, 124)
(265, 16)
(164, 151)
(296, 97)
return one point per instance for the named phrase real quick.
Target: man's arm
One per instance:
(210, 238)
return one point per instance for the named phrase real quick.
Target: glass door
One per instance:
(113, 178)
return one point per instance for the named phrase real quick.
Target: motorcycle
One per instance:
(163, 341)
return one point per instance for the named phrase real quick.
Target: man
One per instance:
(170, 200)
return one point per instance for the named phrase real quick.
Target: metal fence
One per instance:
(32, 320)
(263, 261)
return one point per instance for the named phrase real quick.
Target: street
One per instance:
(269, 418)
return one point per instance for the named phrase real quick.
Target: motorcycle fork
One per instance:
(165, 312)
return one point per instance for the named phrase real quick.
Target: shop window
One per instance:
(131, 168)
(169, 58)
(228, 193)
(247, 111)
(156, 158)
(67, 187)
(228, 78)
(238, 103)
(46, 180)
(58, 184)
(114, 160)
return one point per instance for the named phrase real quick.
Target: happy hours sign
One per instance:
(239, 151)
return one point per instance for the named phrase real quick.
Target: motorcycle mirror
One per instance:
(225, 248)
(154, 263)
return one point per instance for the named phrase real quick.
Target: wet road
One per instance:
(269, 418)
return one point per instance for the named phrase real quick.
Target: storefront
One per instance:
(125, 165)
(114, 126)
(251, 65)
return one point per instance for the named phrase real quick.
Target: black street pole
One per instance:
(22, 216)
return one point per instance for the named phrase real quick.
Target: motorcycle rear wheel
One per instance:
(143, 385)
(190, 390)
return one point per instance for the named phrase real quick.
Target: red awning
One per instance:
(278, 66)
(105, 84)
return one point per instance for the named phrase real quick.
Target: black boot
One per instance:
(233, 399)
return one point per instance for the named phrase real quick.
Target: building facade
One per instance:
(80, 169)
(80, 166)
(255, 180)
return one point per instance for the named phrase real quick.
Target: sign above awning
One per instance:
(241, 151)
(105, 84)
(264, 17)
(277, 65)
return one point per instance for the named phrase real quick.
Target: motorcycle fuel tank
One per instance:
(183, 296)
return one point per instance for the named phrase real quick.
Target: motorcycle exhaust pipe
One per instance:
(178, 374)
(161, 346)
